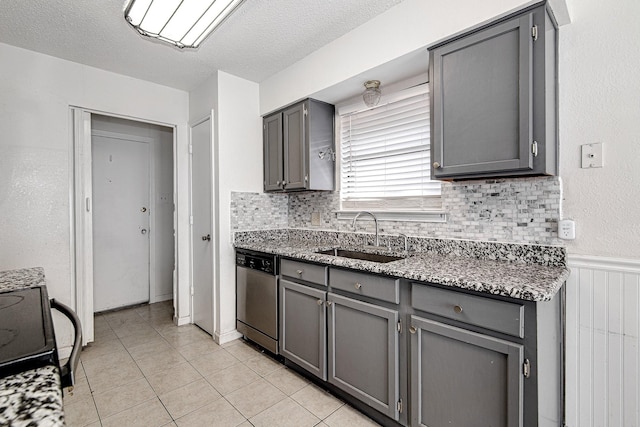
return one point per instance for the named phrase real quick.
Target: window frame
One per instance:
(407, 208)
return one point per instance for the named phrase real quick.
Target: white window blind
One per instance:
(385, 156)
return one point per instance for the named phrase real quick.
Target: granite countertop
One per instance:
(11, 280)
(32, 397)
(520, 280)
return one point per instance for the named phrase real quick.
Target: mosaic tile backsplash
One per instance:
(519, 210)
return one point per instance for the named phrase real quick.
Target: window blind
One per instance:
(385, 154)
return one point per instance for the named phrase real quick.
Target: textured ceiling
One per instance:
(261, 38)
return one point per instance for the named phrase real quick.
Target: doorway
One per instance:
(124, 238)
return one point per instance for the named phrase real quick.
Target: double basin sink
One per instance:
(365, 256)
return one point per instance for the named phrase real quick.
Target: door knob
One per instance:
(207, 237)
(143, 231)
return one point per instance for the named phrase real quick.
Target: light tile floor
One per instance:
(142, 370)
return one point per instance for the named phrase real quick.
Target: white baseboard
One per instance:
(64, 352)
(179, 321)
(226, 337)
(160, 298)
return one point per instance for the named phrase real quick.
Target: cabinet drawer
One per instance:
(304, 271)
(382, 288)
(487, 313)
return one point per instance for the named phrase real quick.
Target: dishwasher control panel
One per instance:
(257, 261)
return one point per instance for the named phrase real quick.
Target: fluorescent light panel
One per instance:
(183, 23)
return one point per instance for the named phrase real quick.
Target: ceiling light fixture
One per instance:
(371, 95)
(182, 23)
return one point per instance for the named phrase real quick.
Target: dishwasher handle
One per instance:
(67, 372)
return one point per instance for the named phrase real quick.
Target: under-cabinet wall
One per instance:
(602, 344)
(523, 210)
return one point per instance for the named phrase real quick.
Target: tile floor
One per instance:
(142, 370)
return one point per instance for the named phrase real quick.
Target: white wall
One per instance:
(409, 26)
(238, 153)
(600, 102)
(36, 159)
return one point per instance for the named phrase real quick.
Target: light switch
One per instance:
(315, 218)
(592, 155)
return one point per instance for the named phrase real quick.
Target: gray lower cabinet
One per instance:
(303, 326)
(493, 99)
(363, 352)
(463, 378)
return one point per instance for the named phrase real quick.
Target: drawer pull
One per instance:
(319, 302)
(457, 309)
(412, 329)
(299, 272)
(357, 285)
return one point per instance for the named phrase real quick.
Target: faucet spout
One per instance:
(375, 221)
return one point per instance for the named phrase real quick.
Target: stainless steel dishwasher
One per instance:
(257, 298)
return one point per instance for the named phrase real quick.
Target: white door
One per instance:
(120, 169)
(202, 238)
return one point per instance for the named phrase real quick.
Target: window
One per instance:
(385, 155)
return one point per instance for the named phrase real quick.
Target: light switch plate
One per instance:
(592, 155)
(315, 218)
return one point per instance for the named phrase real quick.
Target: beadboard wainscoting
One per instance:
(603, 351)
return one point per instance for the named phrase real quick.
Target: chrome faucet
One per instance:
(375, 220)
(406, 241)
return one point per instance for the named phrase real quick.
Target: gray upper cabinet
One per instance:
(460, 378)
(363, 352)
(493, 100)
(299, 146)
(273, 166)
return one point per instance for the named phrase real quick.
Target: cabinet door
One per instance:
(303, 317)
(295, 147)
(482, 101)
(363, 352)
(272, 139)
(463, 378)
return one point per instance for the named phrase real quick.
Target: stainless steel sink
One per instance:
(360, 255)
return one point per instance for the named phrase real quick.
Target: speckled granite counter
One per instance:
(527, 272)
(30, 398)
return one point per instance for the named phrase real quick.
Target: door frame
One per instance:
(214, 231)
(80, 206)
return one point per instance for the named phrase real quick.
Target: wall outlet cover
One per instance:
(567, 229)
(315, 218)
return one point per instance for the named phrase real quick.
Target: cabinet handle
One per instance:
(284, 183)
(278, 183)
(299, 272)
(329, 303)
(436, 165)
(412, 329)
(319, 302)
(357, 285)
(457, 309)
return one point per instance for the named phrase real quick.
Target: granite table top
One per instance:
(30, 398)
(522, 281)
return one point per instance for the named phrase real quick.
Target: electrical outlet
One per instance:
(567, 229)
